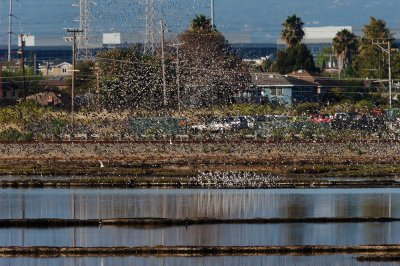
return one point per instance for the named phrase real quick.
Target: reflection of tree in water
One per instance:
(377, 205)
(294, 233)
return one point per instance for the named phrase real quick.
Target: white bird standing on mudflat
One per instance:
(101, 164)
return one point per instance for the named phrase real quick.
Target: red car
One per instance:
(321, 118)
(377, 114)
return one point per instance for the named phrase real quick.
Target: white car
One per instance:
(199, 128)
(250, 121)
(220, 125)
(215, 125)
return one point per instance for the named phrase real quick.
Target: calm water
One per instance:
(172, 261)
(113, 203)
(175, 203)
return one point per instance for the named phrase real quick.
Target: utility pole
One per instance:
(10, 15)
(390, 75)
(178, 85)
(178, 82)
(163, 65)
(74, 31)
(1, 79)
(34, 64)
(23, 66)
(98, 91)
(388, 51)
(212, 15)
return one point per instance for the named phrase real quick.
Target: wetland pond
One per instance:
(214, 203)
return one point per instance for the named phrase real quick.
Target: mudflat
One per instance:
(188, 158)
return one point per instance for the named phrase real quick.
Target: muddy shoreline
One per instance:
(179, 160)
(159, 183)
(307, 250)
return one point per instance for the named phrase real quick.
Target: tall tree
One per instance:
(210, 72)
(293, 33)
(293, 59)
(132, 80)
(345, 44)
(371, 61)
(201, 23)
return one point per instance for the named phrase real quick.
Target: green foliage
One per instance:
(14, 79)
(371, 61)
(324, 56)
(293, 33)
(84, 78)
(352, 90)
(248, 109)
(21, 113)
(395, 64)
(293, 59)
(345, 45)
(365, 106)
(57, 126)
(265, 67)
(307, 108)
(133, 80)
(278, 134)
(306, 134)
(12, 134)
(201, 23)
(210, 72)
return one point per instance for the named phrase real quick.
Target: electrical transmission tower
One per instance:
(84, 51)
(151, 28)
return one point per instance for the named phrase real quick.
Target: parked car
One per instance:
(250, 121)
(199, 127)
(341, 116)
(220, 125)
(215, 125)
(321, 118)
(238, 122)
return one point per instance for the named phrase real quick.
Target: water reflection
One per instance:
(212, 261)
(207, 235)
(116, 203)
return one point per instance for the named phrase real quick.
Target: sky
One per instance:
(242, 21)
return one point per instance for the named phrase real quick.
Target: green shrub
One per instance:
(12, 134)
(57, 127)
(307, 108)
(21, 113)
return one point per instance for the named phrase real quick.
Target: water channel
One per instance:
(175, 203)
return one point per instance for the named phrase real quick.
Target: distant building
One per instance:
(324, 84)
(59, 70)
(254, 50)
(46, 98)
(282, 89)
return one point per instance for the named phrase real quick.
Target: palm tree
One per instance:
(344, 45)
(293, 32)
(201, 23)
